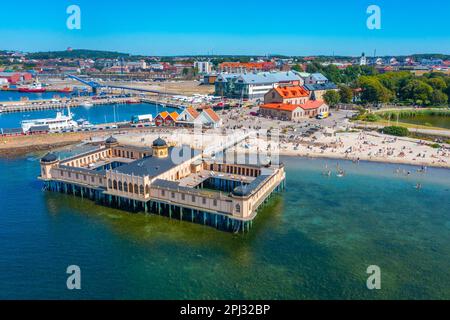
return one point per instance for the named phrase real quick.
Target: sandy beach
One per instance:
(370, 146)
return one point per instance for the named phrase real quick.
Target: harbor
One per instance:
(52, 104)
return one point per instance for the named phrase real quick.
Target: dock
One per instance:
(40, 105)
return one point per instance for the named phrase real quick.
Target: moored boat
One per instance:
(34, 88)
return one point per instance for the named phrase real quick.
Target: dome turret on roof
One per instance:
(111, 140)
(241, 191)
(159, 143)
(49, 157)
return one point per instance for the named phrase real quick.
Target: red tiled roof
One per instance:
(212, 114)
(312, 104)
(194, 113)
(292, 92)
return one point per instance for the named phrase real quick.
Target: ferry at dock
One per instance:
(60, 122)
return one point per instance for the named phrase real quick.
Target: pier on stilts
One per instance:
(225, 196)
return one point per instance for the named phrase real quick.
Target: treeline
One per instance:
(431, 89)
(364, 84)
(77, 54)
(345, 76)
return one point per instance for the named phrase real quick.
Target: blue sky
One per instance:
(156, 27)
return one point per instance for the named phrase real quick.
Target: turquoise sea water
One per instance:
(314, 241)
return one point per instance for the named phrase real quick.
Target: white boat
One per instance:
(87, 104)
(59, 123)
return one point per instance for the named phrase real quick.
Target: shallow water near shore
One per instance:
(314, 241)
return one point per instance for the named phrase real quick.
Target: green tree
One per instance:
(373, 91)
(297, 68)
(438, 98)
(417, 90)
(331, 97)
(346, 94)
(437, 83)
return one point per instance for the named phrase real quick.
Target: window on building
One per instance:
(193, 198)
(238, 208)
(183, 196)
(204, 200)
(120, 186)
(115, 185)
(141, 190)
(215, 202)
(136, 189)
(173, 195)
(125, 187)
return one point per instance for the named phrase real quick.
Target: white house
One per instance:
(203, 66)
(189, 114)
(209, 118)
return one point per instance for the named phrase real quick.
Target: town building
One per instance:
(253, 86)
(207, 117)
(209, 79)
(315, 78)
(316, 91)
(203, 67)
(189, 117)
(363, 60)
(287, 95)
(244, 67)
(189, 114)
(293, 112)
(175, 182)
(16, 77)
(136, 65)
(166, 119)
